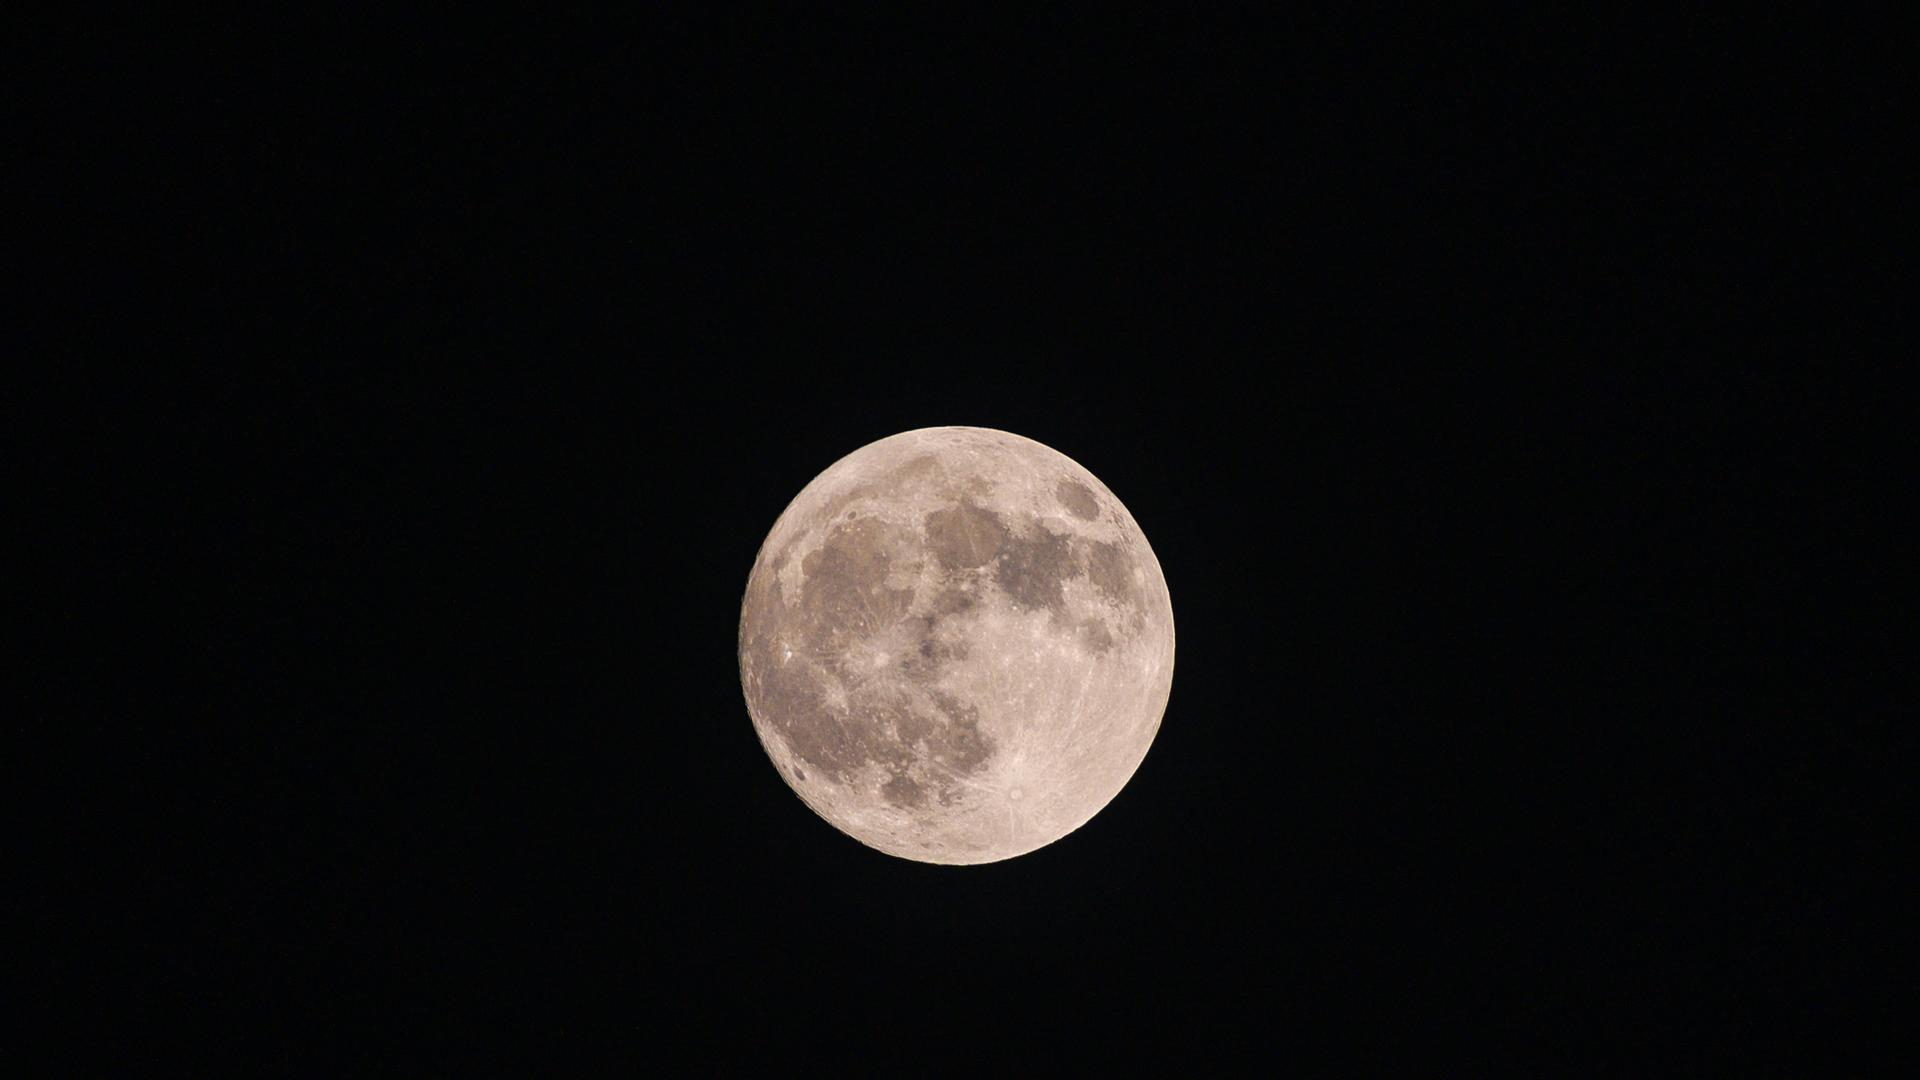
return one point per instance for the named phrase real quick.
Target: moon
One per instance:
(956, 645)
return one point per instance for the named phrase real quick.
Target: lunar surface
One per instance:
(956, 645)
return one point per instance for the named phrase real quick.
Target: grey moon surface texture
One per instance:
(956, 645)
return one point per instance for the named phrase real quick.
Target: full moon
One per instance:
(956, 645)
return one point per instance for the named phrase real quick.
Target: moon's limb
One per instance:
(956, 645)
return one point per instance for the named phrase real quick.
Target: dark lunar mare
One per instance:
(1077, 499)
(1111, 571)
(965, 536)
(1033, 568)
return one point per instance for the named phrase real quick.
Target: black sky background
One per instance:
(1453, 370)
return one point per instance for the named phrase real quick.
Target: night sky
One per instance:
(1451, 369)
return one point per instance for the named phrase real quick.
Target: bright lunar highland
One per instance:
(956, 645)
